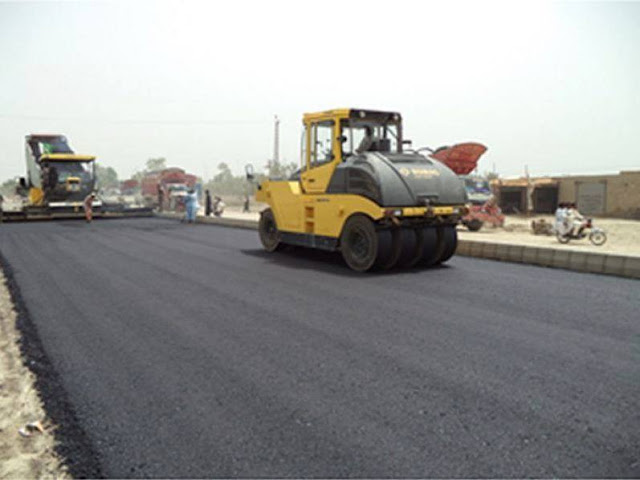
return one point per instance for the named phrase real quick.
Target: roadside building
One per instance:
(614, 195)
(512, 194)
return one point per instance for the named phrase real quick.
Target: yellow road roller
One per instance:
(360, 190)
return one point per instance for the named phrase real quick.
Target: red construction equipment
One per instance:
(463, 159)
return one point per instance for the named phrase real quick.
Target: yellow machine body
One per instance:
(36, 196)
(303, 206)
(66, 157)
(325, 214)
(64, 191)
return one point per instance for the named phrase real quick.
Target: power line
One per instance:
(135, 121)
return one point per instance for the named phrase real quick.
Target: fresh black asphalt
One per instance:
(187, 351)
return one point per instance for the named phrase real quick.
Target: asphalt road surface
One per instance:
(187, 351)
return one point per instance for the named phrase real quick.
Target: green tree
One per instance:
(224, 175)
(155, 164)
(151, 165)
(225, 183)
(281, 170)
(107, 177)
(290, 168)
(8, 187)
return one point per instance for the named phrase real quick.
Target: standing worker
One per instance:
(191, 206)
(88, 206)
(207, 203)
(160, 198)
(218, 207)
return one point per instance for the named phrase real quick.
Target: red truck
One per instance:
(129, 187)
(174, 183)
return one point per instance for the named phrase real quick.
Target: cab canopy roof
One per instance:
(42, 144)
(50, 147)
(364, 115)
(44, 137)
(66, 157)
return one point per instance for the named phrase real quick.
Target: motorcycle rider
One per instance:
(575, 221)
(570, 224)
(562, 223)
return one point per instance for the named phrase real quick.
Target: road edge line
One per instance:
(584, 262)
(72, 444)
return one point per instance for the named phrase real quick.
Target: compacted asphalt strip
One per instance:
(188, 351)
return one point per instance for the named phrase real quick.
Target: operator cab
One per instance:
(44, 144)
(338, 134)
(55, 174)
(333, 136)
(369, 131)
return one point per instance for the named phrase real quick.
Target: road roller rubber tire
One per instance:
(410, 247)
(268, 231)
(387, 254)
(389, 248)
(449, 237)
(359, 243)
(431, 247)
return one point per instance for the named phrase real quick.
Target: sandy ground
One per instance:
(623, 236)
(21, 457)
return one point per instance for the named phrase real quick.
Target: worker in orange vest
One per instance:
(88, 206)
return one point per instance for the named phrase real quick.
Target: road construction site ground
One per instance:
(187, 351)
(21, 457)
(623, 235)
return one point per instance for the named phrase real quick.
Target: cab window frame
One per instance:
(316, 157)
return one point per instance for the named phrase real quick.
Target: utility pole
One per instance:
(276, 144)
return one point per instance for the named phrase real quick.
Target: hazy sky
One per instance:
(555, 86)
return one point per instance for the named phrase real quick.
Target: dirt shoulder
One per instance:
(20, 456)
(623, 235)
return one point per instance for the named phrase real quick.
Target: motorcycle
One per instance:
(596, 235)
(478, 215)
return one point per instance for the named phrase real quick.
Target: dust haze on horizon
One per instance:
(554, 86)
